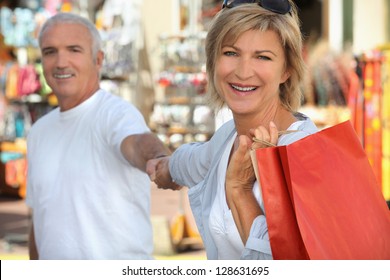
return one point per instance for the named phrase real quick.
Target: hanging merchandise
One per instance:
(66, 6)
(4, 70)
(183, 79)
(16, 122)
(9, 133)
(355, 99)
(121, 27)
(28, 81)
(118, 63)
(329, 80)
(19, 81)
(17, 27)
(372, 110)
(45, 88)
(33, 5)
(11, 85)
(3, 114)
(386, 125)
(22, 87)
(52, 6)
(6, 52)
(327, 88)
(14, 167)
(15, 171)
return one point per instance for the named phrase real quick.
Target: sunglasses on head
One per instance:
(276, 6)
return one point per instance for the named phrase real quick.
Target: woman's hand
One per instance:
(240, 174)
(240, 178)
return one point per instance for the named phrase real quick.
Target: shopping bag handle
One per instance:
(269, 144)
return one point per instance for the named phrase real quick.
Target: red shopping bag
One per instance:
(322, 200)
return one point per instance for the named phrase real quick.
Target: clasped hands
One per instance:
(158, 171)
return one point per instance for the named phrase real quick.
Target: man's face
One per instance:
(68, 63)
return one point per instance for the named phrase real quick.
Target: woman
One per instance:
(254, 66)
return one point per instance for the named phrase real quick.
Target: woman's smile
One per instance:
(243, 89)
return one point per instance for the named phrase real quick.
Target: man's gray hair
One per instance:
(74, 19)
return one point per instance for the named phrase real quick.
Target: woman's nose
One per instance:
(244, 69)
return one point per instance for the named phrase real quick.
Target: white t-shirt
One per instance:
(88, 201)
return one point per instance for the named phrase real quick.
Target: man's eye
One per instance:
(47, 52)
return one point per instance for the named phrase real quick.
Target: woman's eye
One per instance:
(229, 53)
(263, 57)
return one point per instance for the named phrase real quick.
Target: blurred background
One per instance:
(155, 59)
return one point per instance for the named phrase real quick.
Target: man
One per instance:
(87, 184)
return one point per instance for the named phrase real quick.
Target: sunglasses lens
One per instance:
(235, 3)
(276, 6)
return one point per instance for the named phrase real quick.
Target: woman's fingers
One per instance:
(263, 137)
(240, 173)
(273, 131)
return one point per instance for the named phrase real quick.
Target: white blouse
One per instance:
(222, 226)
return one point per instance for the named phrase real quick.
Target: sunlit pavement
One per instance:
(174, 257)
(167, 207)
(190, 255)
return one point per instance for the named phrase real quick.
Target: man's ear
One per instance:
(99, 59)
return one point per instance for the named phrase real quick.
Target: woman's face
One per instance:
(249, 71)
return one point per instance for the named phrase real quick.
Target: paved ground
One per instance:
(167, 207)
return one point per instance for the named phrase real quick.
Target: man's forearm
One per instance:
(140, 148)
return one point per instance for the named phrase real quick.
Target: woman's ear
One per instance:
(285, 76)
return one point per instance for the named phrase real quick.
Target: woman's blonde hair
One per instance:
(230, 23)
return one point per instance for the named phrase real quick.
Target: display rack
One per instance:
(181, 113)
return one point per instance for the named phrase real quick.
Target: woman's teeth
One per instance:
(243, 88)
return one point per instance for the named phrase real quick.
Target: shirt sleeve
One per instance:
(189, 164)
(258, 246)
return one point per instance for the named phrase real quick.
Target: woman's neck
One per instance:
(279, 115)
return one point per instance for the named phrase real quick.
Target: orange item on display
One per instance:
(386, 129)
(372, 112)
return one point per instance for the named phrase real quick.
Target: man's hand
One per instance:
(158, 171)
